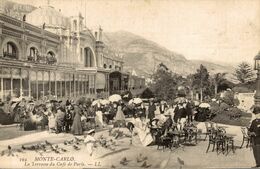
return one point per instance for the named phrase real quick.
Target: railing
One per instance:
(10, 55)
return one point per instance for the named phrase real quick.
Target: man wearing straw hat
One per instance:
(255, 128)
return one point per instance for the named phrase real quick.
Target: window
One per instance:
(10, 51)
(33, 78)
(33, 53)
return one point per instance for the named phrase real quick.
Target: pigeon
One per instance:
(76, 147)
(9, 147)
(124, 161)
(48, 143)
(65, 142)
(64, 150)
(19, 150)
(145, 165)
(180, 161)
(23, 147)
(112, 166)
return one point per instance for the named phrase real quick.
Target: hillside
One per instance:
(140, 54)
(145, 55)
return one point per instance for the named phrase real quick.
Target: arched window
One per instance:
(110, 66)
(51, 59)
(89, 57)
(33, 53)
(105, 66)
(10, 51)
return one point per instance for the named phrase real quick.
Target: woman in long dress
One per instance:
(120, 117)
(76, 128)
(141, 128)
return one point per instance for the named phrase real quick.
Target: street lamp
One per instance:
(257, 67)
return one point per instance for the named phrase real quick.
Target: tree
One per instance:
(200, 80)
(217, 80)
(165, 82)
(244, 73)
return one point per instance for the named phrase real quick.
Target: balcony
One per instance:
(51, 60)
(10, 55)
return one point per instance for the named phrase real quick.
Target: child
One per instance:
(90, 141)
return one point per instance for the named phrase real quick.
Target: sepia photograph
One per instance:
(130, 84)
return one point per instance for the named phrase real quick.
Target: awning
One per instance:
(100, 81)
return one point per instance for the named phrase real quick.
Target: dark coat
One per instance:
(151, 110)
(255, 127)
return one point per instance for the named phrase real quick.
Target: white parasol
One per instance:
(115, 98)
(204, 105)
(104, 102)
(135, 101)
(180, 100)
(96, 102)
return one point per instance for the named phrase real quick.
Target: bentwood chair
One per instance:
(209, 130)
(246, 137)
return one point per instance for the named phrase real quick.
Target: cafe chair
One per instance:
(246, 137)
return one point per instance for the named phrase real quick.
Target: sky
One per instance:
(214, 30)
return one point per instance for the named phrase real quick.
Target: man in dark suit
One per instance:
(255, 129)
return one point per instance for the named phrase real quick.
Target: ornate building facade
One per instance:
(50, 54)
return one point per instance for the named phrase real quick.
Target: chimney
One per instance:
(96, 35)
(100, 33)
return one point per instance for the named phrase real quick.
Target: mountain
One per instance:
(144, 55)
(140, 54)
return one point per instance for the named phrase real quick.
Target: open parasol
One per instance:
(204, 105)
(115, 98)
(96, 102)
(105, 102)
(135, 101)
(180, 100)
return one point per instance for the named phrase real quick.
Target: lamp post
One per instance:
(257, 67)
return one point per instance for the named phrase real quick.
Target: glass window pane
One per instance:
(67, 79)
(52, 83)
(59, 86)
(33, 84)
(63, 84)
(6, 75)
(40, 84)
(25, 82)
(16, 74)
(46, 81)
(72, 84)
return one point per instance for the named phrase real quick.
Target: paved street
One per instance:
(193, 156)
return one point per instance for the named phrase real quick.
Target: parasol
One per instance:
(105, 102)
(180, 100)
(96, 102)
(204, 105)
(135, 101)
(115, 98)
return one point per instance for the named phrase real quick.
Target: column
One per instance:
(11, 71)
(29, 85)
(55, 83)
(37, 95)
(21, 83)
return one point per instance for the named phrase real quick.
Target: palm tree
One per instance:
(217, 80)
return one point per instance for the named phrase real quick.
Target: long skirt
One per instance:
(76, 127)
